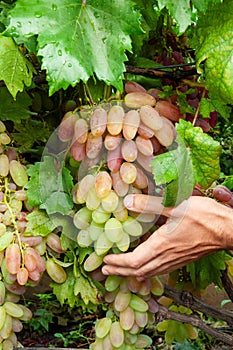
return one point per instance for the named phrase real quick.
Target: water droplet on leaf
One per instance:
(54, 7)
(69, 65)
(59, 52)
(19, 24)
(38, 14)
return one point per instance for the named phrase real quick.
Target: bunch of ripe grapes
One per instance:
(22, 260)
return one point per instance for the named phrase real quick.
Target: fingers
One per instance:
(140, 203)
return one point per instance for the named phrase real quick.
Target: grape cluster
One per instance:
(21, 256)
(131, 308)
(114, 145)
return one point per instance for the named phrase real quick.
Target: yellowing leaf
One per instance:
(15, 70)
(213, 43)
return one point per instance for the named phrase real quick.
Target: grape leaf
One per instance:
(77, 40)
(208, 269)
(87, 290)
(206, 107)
(38, 224)
(213, 42)
(36, 130)
(179, 10)
(14, 110)
(15, 69)
(49, 186)
(65, 291)
(195, 160)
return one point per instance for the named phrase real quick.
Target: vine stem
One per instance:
(194, 320)
(16, 231)
(187, 299)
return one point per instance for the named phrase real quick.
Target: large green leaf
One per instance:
(195, 160)
(214, 42)
(78, 39)
(15, 69)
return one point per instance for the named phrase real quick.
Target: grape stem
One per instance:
(16, 231)
(198, 108)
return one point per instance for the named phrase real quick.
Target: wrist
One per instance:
(226, 226)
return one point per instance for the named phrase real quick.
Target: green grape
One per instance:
(2, 316)
(127, 318)
(124, 243)
(6, 239)
(2, 229)
(13, 309)
(97, 345)
(95, 230)
(103, 327)
(122, 300)
(82, 218)
(116, 334)
(18, 173)
(130, 338)
(138, 304)
(132, 227)
(2, 127)
(110, 202)
(92, 262)
(143, 341)
(6, 329)
(113, 230)
(2, 292)
(112, 283)
(84, 239)
(157, 287)
(102, 244)
(100, 216)
(141, 318)
(92, 200)
(7, 344)
(4, 165)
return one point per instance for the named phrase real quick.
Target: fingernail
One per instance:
(105, 271)
(128, 201)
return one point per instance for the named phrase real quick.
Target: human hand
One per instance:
(197, 227)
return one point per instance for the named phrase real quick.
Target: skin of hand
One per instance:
(197, 227)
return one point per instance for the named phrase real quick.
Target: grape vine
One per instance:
(141, 110)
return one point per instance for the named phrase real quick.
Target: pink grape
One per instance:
(129, 150)
(98, 122)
